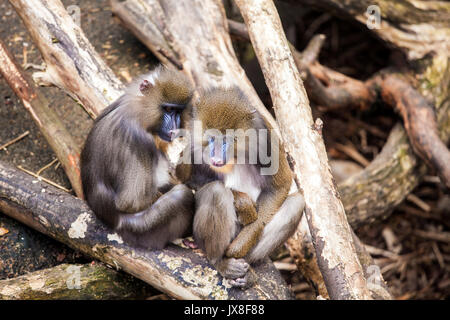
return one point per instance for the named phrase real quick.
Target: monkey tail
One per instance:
(101, 201)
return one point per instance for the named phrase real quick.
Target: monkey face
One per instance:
(164, 96)
(171, 120)
(218, 152)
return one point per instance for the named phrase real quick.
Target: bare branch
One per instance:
(65, 148)
(72, 62)
(343, 274)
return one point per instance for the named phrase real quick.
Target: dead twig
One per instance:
(23, 135)
(31, 173)
(46, 166)
(433, 235)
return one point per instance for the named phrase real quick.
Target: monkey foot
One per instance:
(233, 268)
(190, 244)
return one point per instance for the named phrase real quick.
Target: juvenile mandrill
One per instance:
(244, 207)
(124, 168)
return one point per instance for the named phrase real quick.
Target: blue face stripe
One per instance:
(211, 146)
(224, 150)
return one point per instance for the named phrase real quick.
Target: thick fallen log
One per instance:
(60, 140)
(74, 282)
(336, 255)
(182, 273)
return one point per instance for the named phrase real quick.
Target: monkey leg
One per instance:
(280, 228)
(169, 218)
(215, 225)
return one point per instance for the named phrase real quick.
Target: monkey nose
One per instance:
(173, 134)
(217, 162)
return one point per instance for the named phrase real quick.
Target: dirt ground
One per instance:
(415, 267)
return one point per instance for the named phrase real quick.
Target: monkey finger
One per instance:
(233, 268)
(239, 282)
(190, 243)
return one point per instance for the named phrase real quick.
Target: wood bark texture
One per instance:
(73, 282)
(415, 27)
(337, 259)
(72, 62)
(60, 140)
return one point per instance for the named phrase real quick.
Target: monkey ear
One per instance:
(145, 86)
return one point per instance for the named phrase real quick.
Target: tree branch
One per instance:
(72, 63)
(73, 282)
(65, 148)
(343, 274)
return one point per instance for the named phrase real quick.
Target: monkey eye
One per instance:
(171, 107)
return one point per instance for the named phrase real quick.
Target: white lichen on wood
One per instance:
(114, 237)
(79, 227)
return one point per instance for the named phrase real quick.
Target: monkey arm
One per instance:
(176, 201)
(245, 241)
(245, 208)
(268, 204)
(183, 172)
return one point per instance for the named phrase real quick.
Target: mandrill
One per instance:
(245, 206)
(124, 164)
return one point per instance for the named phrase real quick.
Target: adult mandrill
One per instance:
(124, 165)
(237, 176)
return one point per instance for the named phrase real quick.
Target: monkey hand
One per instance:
(245, 241)
(245, 208)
